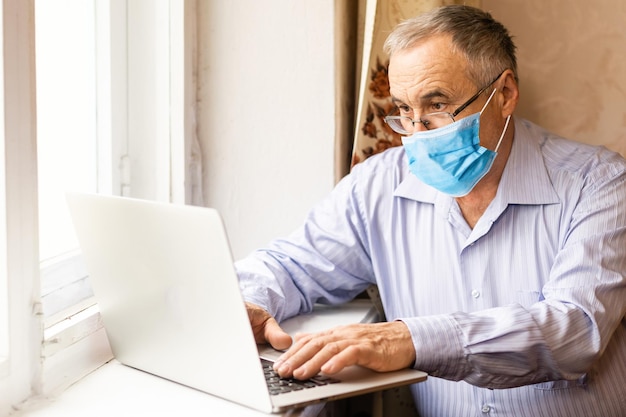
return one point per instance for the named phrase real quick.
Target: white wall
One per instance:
(265, 113)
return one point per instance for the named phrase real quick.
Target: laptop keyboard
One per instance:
(278, 385)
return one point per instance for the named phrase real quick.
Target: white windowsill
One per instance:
(73, 348)
(72, 328)
(117, 390)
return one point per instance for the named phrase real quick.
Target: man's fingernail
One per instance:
(300, 372)
(284, 368)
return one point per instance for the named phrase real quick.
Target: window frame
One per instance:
(22, 318)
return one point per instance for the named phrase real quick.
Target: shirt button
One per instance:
(485, 409)
(475, 293)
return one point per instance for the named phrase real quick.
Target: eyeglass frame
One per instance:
(452, 115)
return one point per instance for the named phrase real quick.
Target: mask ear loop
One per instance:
(488, 100)
(506, 125)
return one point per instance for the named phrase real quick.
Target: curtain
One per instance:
(362, 89)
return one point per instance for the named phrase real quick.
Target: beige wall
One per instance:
(572, 65)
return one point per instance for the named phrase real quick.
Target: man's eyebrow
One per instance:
(428, 96)
(433, 94)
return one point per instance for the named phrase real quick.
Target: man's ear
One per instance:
(510, 93)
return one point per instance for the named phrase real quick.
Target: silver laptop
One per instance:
(169, 298)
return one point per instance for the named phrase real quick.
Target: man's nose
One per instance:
(418, 126)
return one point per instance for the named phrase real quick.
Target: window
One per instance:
(123, 69)
(110, 95)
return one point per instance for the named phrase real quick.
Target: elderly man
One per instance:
(499, 249)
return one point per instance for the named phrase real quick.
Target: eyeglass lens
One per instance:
(405, 125)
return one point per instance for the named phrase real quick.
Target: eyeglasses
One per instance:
(404, 125)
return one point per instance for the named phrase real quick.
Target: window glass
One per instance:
(66, 140)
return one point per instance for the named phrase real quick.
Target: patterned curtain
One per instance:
(372, 135)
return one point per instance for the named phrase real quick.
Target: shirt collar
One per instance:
(525, 179)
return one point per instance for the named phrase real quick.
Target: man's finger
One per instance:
(276, 336)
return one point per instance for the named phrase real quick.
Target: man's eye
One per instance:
(404, 110)
(438, 106)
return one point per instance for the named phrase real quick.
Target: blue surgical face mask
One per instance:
(451, 158)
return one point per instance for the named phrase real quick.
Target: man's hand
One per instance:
(266, 328)
(379, 346)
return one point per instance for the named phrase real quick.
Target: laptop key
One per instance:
(324, 380)
(277, 385)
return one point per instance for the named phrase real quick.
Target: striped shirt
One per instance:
(523, 315)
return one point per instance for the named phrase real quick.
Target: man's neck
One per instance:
(474, 205)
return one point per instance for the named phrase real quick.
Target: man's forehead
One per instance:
(428, 68)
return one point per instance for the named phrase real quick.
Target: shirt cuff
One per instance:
(438, 346)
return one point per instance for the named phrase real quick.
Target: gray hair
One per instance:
(485, 42)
